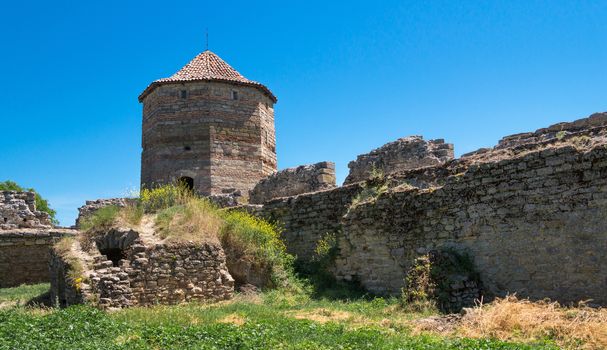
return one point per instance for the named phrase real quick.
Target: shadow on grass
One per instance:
(325, 286)
(42, 300)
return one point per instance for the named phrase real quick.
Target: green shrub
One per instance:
(163, 197)
(75, 269)
(428, 280)
(370, 192)
(41, 203)
(102, 218)
(320, 282)
(326, 247)
(132, 214)
(258, 240)
(420, 287)
(376, 173)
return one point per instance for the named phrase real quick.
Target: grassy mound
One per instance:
(181, 217)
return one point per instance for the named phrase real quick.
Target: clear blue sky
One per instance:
(349, 76)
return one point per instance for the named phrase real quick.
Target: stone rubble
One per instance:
(143, 274)
(293, 181)
(403, 154)
(18, 210)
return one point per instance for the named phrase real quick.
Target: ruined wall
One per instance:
(26, 236)
(531, 213)
(308, 217)
(294, 181)
(123, 270)
(535, 225)
(219, 134)
(18, 210)
(25, 255)
(92, 206)
(403, 154)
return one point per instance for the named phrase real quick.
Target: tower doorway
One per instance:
(187, 182)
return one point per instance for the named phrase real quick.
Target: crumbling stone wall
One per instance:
(403, 154)
(25, 255)
(26, 236)
(123, 270)
(532, 216)
(307, 217)
(18, 210)
(92, 206)
(294, 181)
(532, 224)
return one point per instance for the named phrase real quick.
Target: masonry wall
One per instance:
(531, 212)
(146, 274)
(224, 144)
(308, 217)
(535, 225)
(403, 154)
(25, 255)
(164, 274)
(18, 210)
(294, 181)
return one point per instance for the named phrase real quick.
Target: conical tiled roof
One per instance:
(207, 66)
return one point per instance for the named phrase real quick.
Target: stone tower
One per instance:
(209, 127)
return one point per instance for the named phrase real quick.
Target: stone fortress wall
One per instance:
(18, 210)
(403, 154)
(293, 181)
(25, 255)
(26, 236)
(531, 212)
(122, 270)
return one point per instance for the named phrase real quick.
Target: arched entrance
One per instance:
(186, 182)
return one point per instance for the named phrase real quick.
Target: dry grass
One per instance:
(321, 315)
(130, 216)
(197, 221)
(512, 319)
(64, 248)
(233, 319)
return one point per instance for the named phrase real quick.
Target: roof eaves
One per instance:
(157, 83)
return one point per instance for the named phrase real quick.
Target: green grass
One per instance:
(274, 320)
(22, 294)
(104, 217)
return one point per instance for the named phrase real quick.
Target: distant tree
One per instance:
(41, 203)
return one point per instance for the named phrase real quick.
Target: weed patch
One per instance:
(102, 218)
(75, 269)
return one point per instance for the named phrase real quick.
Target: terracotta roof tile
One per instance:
(207, 66)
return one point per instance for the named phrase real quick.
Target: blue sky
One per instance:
(349, 76)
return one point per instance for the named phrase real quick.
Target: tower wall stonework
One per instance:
(220, 134)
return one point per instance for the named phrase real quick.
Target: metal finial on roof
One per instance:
(207, 35)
